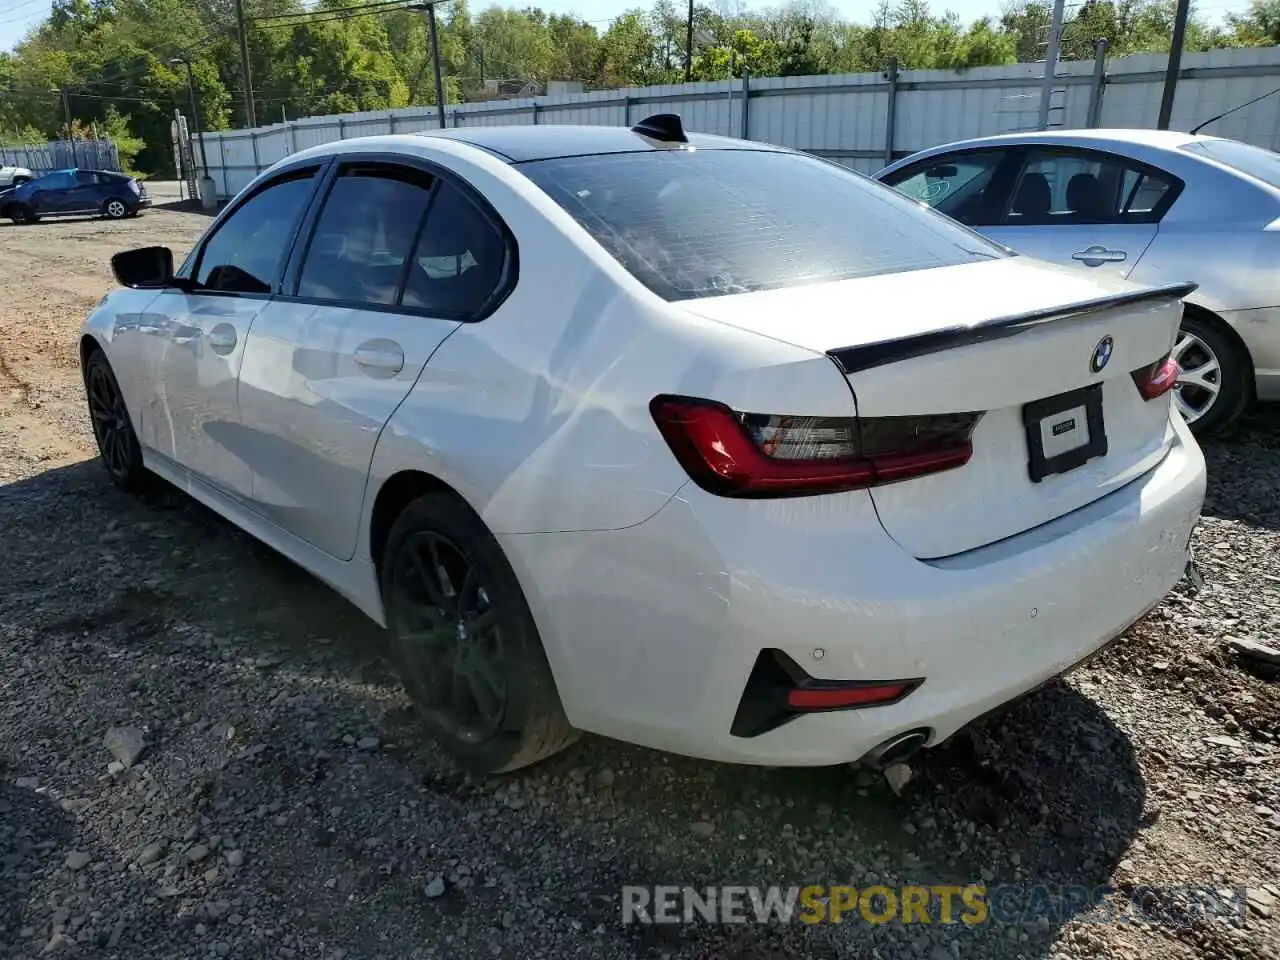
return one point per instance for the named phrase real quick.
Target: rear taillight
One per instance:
(735, 454)
(1158, 379)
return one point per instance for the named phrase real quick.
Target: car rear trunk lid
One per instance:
(1048, 357)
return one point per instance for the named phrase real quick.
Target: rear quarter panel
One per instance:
(539, 415)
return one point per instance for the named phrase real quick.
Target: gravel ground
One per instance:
(284, 806)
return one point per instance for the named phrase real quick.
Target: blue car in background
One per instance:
(74, 192)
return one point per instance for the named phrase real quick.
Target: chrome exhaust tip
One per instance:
(897, 749)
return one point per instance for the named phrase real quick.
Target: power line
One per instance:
(22, 16)
(324, 11)
(393, 8)
(96, 96)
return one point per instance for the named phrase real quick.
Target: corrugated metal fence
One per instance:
(861, 119)
(61, 154)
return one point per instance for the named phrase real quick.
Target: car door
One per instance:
(398, 257)
(199, 334)
(1084, 208)
(49, 195)
(84, 196)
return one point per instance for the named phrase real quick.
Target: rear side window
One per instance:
(1067, 186)
(1253, 161)
(249, 247)
(460, 259)
(364, 236)
(705, 223)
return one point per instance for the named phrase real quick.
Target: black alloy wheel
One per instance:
(464, 641)
(449, 631)
(112, 428)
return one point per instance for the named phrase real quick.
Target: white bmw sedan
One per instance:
(698, 443)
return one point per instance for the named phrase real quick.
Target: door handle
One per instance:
(1098, 254)
(222, 338)
(384, 359)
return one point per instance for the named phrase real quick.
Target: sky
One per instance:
(18, 16)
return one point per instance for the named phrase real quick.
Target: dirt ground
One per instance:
(286, 806)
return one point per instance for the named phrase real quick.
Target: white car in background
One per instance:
(14, 176)
(698, 443)
(1153, 206)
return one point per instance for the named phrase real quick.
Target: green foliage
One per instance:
(1260, 27)
(114, 58)
(115, 126)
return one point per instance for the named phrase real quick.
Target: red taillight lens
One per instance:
(1158, 379)
(845, 695)
(757, 455)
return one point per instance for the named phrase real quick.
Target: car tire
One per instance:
(464, 641)
(19, 181)
(115, 209)
(113, 427)
(20, 213)
(1215, 385)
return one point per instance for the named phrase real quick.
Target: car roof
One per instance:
(1150, 139)
(525, 142)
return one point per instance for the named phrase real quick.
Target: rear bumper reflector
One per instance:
(779, 690)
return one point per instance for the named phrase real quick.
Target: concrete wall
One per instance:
(844, 117)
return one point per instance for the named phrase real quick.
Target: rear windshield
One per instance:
(1254, 161)
(705, 223)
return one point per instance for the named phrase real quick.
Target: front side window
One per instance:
(365, 234)
(246, 253)
(62, 180)
(706, 223)
(955, 185)
(87, 178)
(1062, 186)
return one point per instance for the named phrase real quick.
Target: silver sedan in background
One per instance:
(1153, 206)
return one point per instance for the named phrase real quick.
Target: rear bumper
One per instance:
(652, 631)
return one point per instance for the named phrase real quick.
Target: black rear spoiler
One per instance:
(867, 356)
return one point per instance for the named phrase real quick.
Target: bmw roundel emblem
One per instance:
(1101, 354)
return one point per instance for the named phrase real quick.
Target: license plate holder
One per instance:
(1053, 423)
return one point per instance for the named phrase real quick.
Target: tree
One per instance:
(1260, 27)
(113, 57)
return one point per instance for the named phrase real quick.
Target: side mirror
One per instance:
(144, 267)
(943, 172)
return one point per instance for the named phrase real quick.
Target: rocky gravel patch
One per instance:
(203, 754)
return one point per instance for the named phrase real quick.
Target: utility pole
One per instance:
(688, 46)
(1051, 62)
(195, 114)
(430, 9)
(66, 110)
(245, 73)
(1175, 63)
(71, 137)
